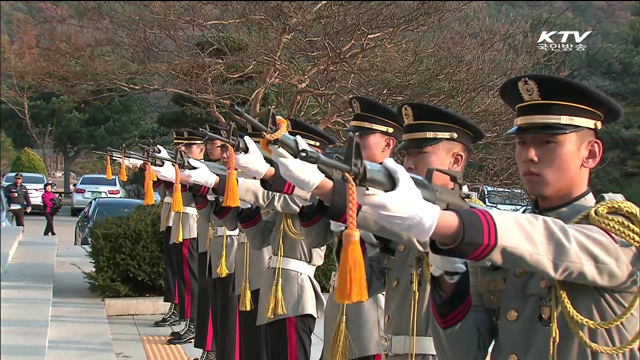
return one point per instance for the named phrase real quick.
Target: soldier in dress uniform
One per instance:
(554, 256)
(208, 237)
(379, 131)
(164, 187)
(291, 299)
(433, 137)
(184, 232)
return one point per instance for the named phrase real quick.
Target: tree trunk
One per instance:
(264, 78)
(68, 161)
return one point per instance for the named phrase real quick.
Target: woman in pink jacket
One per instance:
(47, 200)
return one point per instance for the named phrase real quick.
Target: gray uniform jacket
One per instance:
(598, 270)
(165, 191)
(364, 320)
(397, 264)
(258, 258)
(301, 291)
(189, 217)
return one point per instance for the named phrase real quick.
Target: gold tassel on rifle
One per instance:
(352, 280)
(222, 266)
(246, 304)
(148, 186)
(109, 175)
(282, 128)
(176, 205)
(339, 347)
(231, 196)
(276, 298)
(123, 171)
(153, 176)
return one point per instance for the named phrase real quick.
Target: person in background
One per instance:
(48, 200)
(18, 199)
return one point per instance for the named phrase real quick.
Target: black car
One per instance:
(100, 208)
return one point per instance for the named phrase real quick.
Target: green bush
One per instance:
(126, 252)
(323, 273)
(29, 161)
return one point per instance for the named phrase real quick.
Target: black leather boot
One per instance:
(169, 319)
(186, 335)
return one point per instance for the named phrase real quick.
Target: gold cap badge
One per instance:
(355, 105)
(528, 90)
(407, 114)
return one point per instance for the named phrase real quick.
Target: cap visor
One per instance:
(545, 129)
(417, 143)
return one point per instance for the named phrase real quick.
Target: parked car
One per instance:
(4, 221)
(504, 199)
(98, 209)
(35, 185)
(94, 186)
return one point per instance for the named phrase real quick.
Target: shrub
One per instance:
(29, 162)
(126, 252)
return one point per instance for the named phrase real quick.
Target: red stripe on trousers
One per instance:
(187, 283)
(176, 299)
(209, 333)
(292, 339)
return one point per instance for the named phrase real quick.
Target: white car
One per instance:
(34, 184)
(93, 186)
(504, 199)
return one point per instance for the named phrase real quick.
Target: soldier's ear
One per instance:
(592, 154)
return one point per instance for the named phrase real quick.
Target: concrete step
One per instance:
(79, 328)
(25, 300)
(11, 235)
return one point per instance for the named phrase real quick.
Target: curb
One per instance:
(135, 306)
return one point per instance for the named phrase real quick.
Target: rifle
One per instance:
(364, 173)
(235, 139)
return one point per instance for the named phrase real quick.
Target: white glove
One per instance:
(29, 209)
(252, 163)
(165, 172)
(244, 204)
(163, 152)
(336, 226)
(201, 175)
(440, 264)
(402, 209)
(302, 174)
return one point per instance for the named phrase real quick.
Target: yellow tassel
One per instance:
(222, 266)
(282, 128)
(148, 186)
(123, 171)
(109, 175)
(179, 239)
(176, 205)
(246, 304)
(271, 308)
(339, 347)
(231, 196)
(280, 308)
(352, 279)
(154, 177)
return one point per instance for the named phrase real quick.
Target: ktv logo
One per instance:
(546, 40)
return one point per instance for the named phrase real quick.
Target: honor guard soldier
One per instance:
(184, 232)
(572, 288)
(164, 186)
(379, 130)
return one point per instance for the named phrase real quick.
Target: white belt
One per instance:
(242, 239)
(168, 199)
(402, 344)
(219, 231)
(189, 210)
(293, 265)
